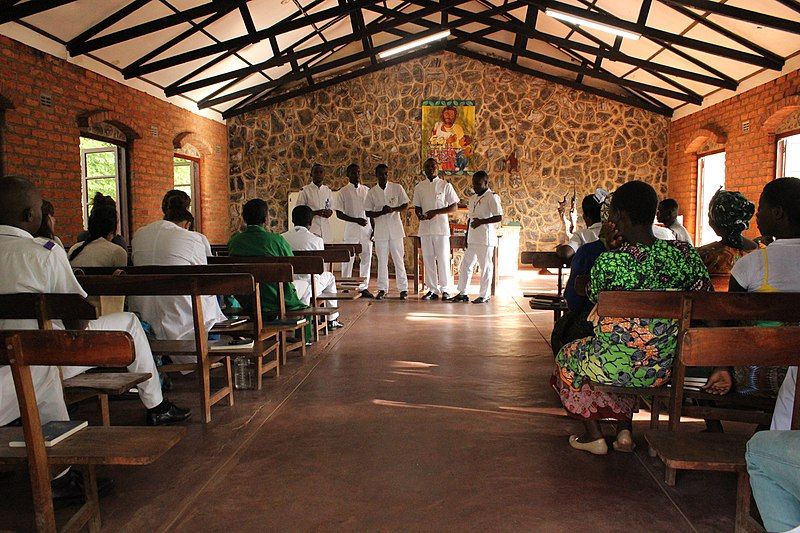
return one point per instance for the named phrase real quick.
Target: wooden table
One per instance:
(456, 242)
(545, 260)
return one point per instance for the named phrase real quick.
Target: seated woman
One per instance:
(772, 269)
(47, 230)
(729, 214)
(98, 250)
(101, 200)
(626, 352)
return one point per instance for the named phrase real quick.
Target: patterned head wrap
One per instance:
(605, 206)
(730, 213)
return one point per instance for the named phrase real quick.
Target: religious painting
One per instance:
(448, 134)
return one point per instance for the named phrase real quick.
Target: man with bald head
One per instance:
(30, 265)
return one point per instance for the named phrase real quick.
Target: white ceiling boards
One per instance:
(233, 56)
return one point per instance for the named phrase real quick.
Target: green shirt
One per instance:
(257, 241)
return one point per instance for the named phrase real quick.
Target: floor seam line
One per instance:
(666, 493)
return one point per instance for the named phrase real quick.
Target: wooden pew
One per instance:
(182, 285)
(545, 260)
(301, 266)
(267, 346)
(330, 256)
(72, 308)
(89, 447)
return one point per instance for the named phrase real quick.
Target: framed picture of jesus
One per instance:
(448, 134)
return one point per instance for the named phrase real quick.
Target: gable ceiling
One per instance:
(234, 56)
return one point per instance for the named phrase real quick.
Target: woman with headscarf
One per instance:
(729, 214)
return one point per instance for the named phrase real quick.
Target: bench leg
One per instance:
(669, 476)
(303, 342)
(89, 513)
(102, 404)
(204, 377)
(229, 370)
(284, 346)
(655, 411)
(259, 366)
(745, 522)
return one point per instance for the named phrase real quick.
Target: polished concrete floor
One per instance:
(418, 416)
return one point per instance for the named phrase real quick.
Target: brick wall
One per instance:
(43, 143)
(750, 158)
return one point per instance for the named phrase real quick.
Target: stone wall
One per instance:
(560, 138)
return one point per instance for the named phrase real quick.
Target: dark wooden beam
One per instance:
(31, 7)
(247, 19)
(108, 22)
(753, 17)
(679, 40)
(521, 39)
(791, 4)
(282, 97)
(561, 81)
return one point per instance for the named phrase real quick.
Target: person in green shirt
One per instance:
(257, 240)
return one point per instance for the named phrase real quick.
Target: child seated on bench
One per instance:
(30, 266)
(633, 352)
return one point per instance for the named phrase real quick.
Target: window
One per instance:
(185, 173)
(710, 178)
(102, 167)
(789, 157)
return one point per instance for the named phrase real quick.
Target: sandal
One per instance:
(597, 447)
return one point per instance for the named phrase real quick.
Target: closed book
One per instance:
(54, 432)
(227, 344)
(229, 323)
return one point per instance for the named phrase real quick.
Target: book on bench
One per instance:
(54, 432)
(230, 344)
(284, 322)
(232, 321)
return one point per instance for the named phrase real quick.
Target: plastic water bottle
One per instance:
(244, 373)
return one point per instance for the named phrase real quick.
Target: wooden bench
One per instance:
(72, 308)
(267, 346)
(90, 446)
(543, 261)
(182, 285)
(330, 256)
(302, 265)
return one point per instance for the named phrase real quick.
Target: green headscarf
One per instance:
(730, 213)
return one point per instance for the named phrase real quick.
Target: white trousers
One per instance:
(49, 396)
(366, 259)
(150, 390)
(326, 284)
(481, 255)
(436, 256)
(784, 406)
(396, 249)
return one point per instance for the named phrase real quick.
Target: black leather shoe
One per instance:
(480, 300)
(429, 296)
(69, 488)
(381, 295)
(173, 414)
(366, 294)
(445, 297)
(459, 298)
(403, 295)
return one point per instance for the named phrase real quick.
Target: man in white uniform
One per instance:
(667, 214)
(318, 197)
(433, 199)
(591, 217)
(30, 265)
(385, 202)
(484, 214)
(300, 238)
(169, 242)
(357, 229)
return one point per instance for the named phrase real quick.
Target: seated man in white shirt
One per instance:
(484, 213)
(29, 265)
(300, 238)
(591, 217)
(169, 242)
(667, 215)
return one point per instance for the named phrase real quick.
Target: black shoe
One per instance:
(69, 488)
(166, 413)
(381, 295)
(429, 296)
(445, 297)
(460, 297)
(403, 295)
(366, 294)
(480, 300)
(334, 324)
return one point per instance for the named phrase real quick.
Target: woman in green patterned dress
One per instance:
(630, 352)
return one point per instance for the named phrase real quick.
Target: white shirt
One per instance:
(300, 239)
(434, 194)
(584, 236)
(99, 253)
(783, 261)
(166, 243)
(390, 226)
(680, 232)
(350, 201)
(317, 198)
(486, 205)
(660, 232)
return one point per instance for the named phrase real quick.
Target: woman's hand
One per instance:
(719, 382)
(610, 236)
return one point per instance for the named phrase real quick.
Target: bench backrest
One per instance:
(352, 248)
(261, 272)
(329, 255)
(300, 265)
(46, 307)
(167, 284)
(543, 260)
(23, 349)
